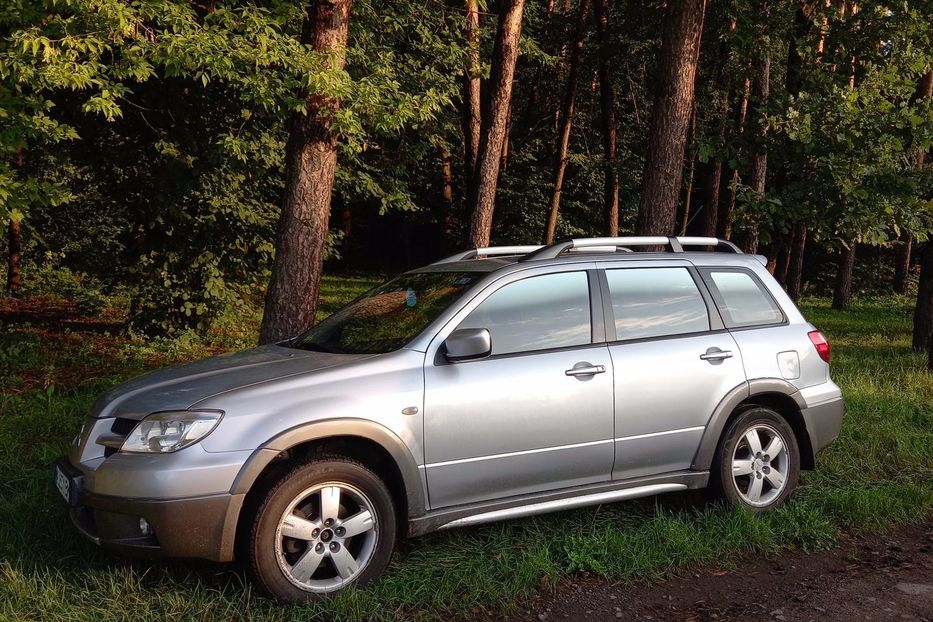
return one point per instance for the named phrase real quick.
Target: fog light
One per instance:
(144, 527)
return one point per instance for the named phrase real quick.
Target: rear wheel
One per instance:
(325, 525)
(758, 461)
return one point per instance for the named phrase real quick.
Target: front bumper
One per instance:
(201, 527)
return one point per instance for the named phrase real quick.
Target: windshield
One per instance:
(389, 316)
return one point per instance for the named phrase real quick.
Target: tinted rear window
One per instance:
(742, 299)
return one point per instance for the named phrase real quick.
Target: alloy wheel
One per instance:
(326, 537)
(760, 465)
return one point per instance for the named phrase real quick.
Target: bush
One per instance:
(52, 280)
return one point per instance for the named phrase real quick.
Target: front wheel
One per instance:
(758, 461)
(325, 525)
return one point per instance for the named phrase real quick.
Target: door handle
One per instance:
(585, 369)
(715, 354)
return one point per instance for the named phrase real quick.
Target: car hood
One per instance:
(180, 387)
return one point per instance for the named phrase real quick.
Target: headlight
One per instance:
(165, 432)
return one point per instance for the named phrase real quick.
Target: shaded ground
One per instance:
(878, 578)
(59, 314)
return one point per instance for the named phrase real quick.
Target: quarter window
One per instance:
(537, 313)
(741, 299)
(655, 302)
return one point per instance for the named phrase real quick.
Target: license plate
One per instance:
(63, 484)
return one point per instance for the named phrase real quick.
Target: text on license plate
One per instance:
(63, 484)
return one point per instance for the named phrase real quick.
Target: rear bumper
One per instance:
(823, 421)
(200, 527)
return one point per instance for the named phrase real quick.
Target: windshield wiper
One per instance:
(314, 347)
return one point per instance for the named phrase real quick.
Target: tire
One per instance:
(748, 476)
(303, 526)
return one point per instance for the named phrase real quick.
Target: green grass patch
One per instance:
(876, 476)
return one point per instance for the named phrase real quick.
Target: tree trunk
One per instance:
(842, 293)
(795, 264)
(14, 275)
(346, 228)
(923, 312)
(902, 270)
(670, 116)
(782, 261)
(505, 53)
(793, 76)
(758, 102)
(471, 114)
(607, 106)
(504, 160)
(728, 218)
(688, 194)
(446, 220)
(711, 215)
(784, 270)
(902, 264)
(771, 265)
(566, 120)
(529, 118)
(310, 164)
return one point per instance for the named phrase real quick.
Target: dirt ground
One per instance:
(886, 577)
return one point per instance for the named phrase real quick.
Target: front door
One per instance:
(537, 413)
(672, 363)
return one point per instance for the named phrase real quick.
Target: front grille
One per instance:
(123, 427)
(120, 428)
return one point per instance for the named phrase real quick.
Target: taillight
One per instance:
(820, 343)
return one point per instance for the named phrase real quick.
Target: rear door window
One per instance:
(655, 302)
(742, 300)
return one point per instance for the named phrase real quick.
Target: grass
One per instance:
(876, 476)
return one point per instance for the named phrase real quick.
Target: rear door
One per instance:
(673, 362)
(536, 414)
(773, 345)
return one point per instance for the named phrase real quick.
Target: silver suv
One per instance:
(494, 384)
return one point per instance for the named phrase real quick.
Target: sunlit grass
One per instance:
(877, 475)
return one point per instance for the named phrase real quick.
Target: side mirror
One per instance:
(468, 343)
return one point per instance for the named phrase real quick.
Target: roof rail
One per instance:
(491, 251)
(674, 244)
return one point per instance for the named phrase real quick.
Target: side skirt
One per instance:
(553, 501)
